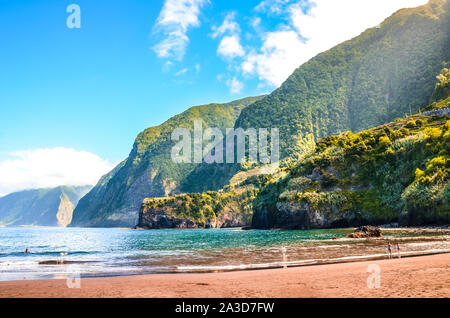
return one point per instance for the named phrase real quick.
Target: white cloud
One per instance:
(197, 67)
(256, 22)
(235, 85)
(278, 57)
(326, 24)
(181, 72)
(271, 6)
(228, 25)
(46, 168)
(167, 66)
(174, 20)
(230, 47)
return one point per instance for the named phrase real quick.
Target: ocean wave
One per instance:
(47, 253)
(19, 263)
(46, 262)
(331, 246)
(207, 268)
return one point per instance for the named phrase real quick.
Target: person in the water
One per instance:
(389, 250)
(27, 250)
(398, 250)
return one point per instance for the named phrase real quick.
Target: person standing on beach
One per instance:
(398, 250)
(389, 250)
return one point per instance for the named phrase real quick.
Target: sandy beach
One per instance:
(421, 276)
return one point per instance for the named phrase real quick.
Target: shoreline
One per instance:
(301, 263)
(271, 263)
(411, 276)
(246, 267)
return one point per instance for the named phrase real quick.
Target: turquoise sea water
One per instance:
(56, 252)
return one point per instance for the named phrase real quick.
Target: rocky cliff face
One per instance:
(229, 207)
(303, 216)
(165, 217)
(64, 213)
(396, 173)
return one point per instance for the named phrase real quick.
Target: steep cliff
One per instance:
(190, 211)
(149, 170)
(230, 207)
(45, 207)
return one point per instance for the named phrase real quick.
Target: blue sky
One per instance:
(82, 95)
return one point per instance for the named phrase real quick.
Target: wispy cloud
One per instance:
(45, 168)
(255, 22)
(181, 72)
(230, 47)
(271, 6)
(228, 25)
(235, 85)
(174, 21)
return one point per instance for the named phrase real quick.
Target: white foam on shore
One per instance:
(305, 262)
(423, 243)
(18, 263)
(330, 246)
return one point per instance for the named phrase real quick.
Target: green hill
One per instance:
(45, 207)
(384, 73)
(149, 170)
(397, 172)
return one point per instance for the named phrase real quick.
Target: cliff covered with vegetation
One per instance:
(397, 172)
(149, 170)
(229, 207)
(440, 98)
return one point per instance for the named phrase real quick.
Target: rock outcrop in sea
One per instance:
(168, 216)
(365, 232)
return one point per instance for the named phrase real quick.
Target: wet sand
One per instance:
(421, 276)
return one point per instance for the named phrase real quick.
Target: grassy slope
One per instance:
(367, 81)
